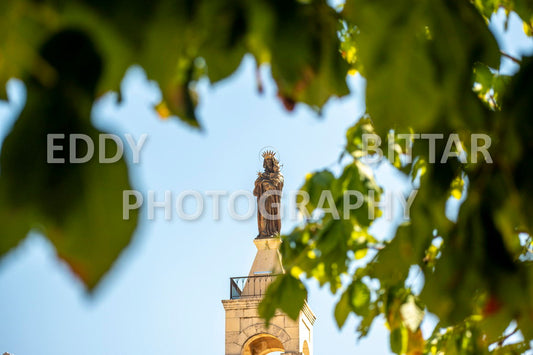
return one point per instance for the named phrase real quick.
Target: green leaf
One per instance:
(357, 177)
(315, 185)
(391, 264)
(78, 207)
(360, 297)
(306, 63)
(397, 44)
(361, 253)
(354, 136)
(366, 322)
(355, 298)
(512, 349)
(286, 293)
(343, 308)
(398, 340)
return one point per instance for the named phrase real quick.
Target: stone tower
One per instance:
(246, 333)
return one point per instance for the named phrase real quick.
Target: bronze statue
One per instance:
(268, 188)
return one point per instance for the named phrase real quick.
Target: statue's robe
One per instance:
(269, 224)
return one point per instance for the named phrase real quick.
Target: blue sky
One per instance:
(163, 294)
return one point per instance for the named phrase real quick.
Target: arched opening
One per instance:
(305, 349)
(262, 344)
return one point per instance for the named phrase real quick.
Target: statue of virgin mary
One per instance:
(268, 186)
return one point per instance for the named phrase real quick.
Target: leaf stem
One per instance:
(505, 337)
(514, 59)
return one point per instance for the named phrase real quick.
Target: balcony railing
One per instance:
(250, 286)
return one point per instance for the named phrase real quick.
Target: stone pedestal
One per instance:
(268, 259)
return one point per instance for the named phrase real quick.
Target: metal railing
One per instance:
(249, 286)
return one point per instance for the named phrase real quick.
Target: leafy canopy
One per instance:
(431, 67)
(68, 53)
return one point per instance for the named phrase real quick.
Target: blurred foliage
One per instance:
(68, 53)
(77, 206)
(431, 67)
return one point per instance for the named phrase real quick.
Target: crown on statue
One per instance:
(268, 154)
